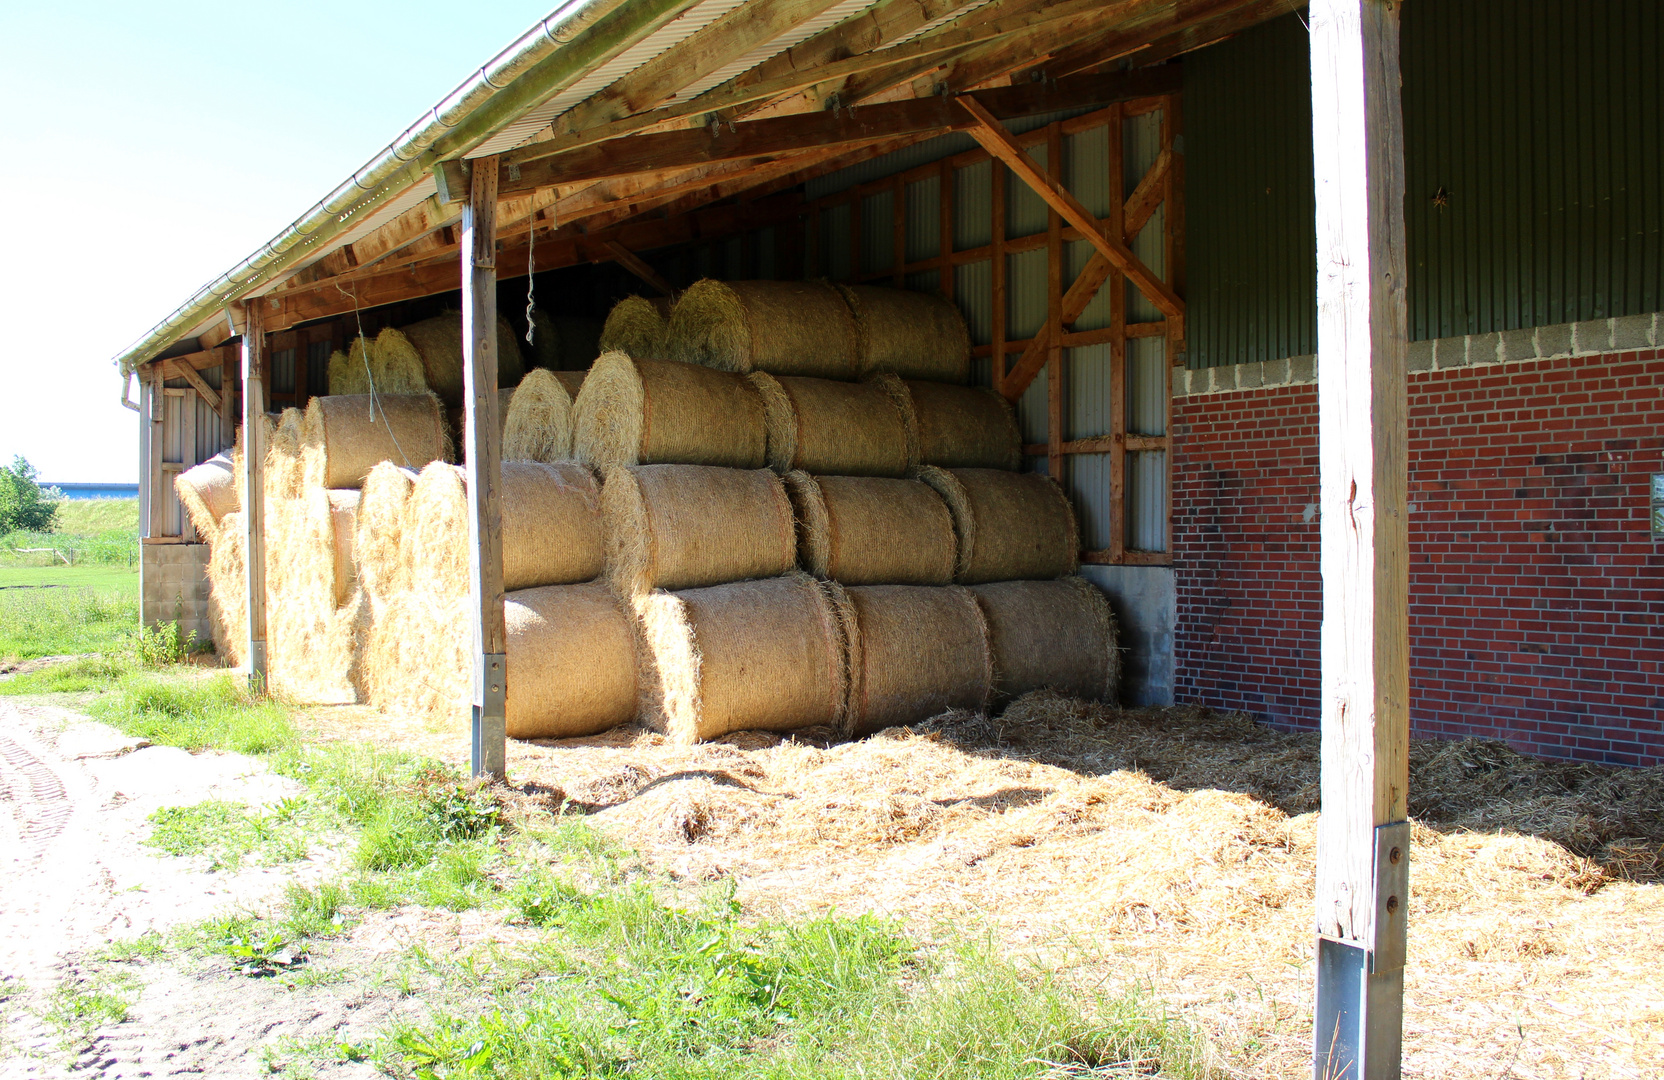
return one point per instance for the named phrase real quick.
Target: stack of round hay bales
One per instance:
(208, 492)
(438, 342)
(637, 327)
(915, 335)
(840, 428)
(646, 412)
(872, 530)
(913, 652)
(564, 343)
(956, 427)
(1059, 634)
(782, 327)
(1010, 525)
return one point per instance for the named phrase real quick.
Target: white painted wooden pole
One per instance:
(482, 440)
(254, 483)
(1362, 337)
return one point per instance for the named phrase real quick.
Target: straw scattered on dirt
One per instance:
(1175, 847)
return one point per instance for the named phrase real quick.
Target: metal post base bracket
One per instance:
(490, 735)
(1358, 1029)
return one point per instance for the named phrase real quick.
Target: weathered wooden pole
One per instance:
(254, 484)
(482, 441)
(1362, 335)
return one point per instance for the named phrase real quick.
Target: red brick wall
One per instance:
(1536, 592)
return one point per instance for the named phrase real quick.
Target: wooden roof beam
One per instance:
(632, 262)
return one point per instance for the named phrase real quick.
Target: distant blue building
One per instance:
(97, 491)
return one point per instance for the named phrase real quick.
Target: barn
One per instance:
(1337, 326)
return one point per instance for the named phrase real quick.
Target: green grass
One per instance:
(96, 609)
(76, 1008)
(86, 517)
(230, 834)
(87, 531)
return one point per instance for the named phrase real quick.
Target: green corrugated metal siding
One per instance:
(1539, 122)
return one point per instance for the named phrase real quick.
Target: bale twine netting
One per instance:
(438, 341)
(571, 662)
(345, 437)
(763, 655)
(957, 427)
(1058, 634)
(914, 651)
(915, 335)
(782, 327)
(688, 526)
(835, 428)
(208, 492)
(645, 412)
(872, 530)
(378, 526)
(1010, 525)
(564, 342)
(537, 424)
(637, 327)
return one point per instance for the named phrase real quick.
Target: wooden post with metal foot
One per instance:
(1362, 337)
(482, 442)
(254, 484)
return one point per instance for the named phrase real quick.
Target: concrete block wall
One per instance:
(173, 587)
(1536, 588)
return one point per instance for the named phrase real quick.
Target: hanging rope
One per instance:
(369, 374)
(531, 279)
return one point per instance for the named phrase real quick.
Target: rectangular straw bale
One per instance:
(1058, 634)
(688, 526)
(872, 530)
(571, 662)
(1010, 525)
(835, 428)
(757, 655)
(914, 652)
(651, 412)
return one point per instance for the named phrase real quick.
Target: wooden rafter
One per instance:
(632, 262)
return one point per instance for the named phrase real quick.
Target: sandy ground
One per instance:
(74, 796)
(1050, 831)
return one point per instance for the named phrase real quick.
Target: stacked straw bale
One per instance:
(837, 428)
(915, 335)
(343, 438)
(872, 530)
(914, 652)
(571, 662)
(208, 492)
(765, 655)
(564, 343)
(782, 327)
(537, 423)
(957, 427)
(1058, 634)
(438, 341)
(228, 591)
(637, 327)
(378, 527)
(645, 412)
(1010, 525)
(688, 526)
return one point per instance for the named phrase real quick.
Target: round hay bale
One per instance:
(873, 530)
(571, 662)
(1058, 634)
(836, 428)
(349, 372)
(644, 412)
(761, 655)
(285, 474)
(228, 590)
(914, 652)
(552, 531)
(395, 365)
(420, 659)
(915, 335)
(537, 424)
(438, 341)
(379, 523)
(688, 526)
(782, 327)
(343, 521)
(636, 327)
(957, 427)
(348, 436)
(1010, 525)
(208, 492)
(564, 342)
(551, 528)
(303, 564)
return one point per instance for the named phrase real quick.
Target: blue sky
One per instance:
(148, 147)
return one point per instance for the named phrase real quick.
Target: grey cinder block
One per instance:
(1632, 332)
(1593, 336)
(1554, 340)
(1420, 356)
(1517, 345)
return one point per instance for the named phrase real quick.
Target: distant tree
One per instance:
(24, 504)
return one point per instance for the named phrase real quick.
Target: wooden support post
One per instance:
(254, 484)
(158, 416)
(483, 442)
(1362, 333)
(228, 380)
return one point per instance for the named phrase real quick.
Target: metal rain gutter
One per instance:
(518, 77)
